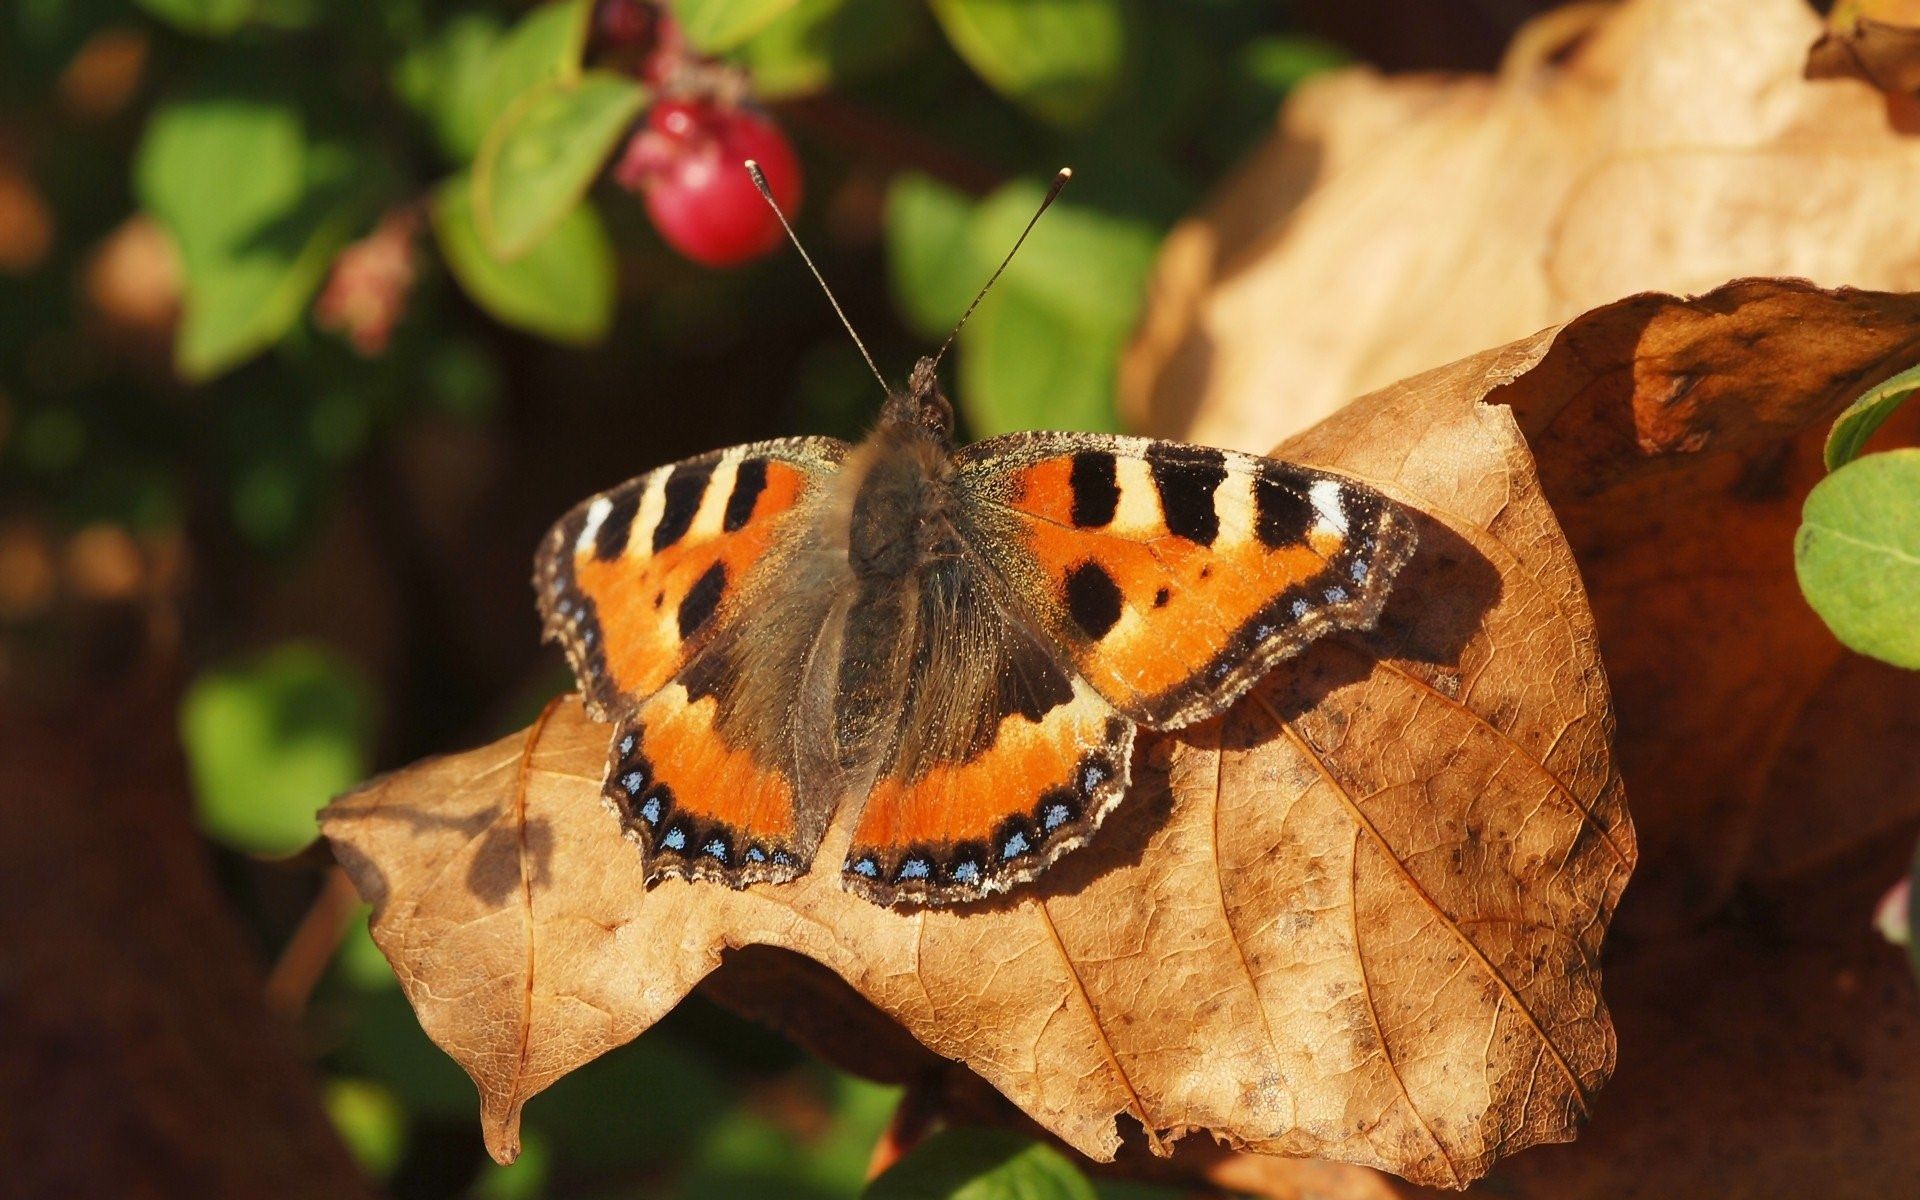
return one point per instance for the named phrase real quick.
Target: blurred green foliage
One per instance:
(269, 742)
(981, 1164)
(350, 508)
(543, 153)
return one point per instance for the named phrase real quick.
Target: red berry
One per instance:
(689, 165)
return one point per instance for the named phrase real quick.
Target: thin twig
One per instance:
(312, 946)
(913, 1118)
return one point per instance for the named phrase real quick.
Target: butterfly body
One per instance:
(951, 646)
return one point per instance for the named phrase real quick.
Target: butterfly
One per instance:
(955, 643)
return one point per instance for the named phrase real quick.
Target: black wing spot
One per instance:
(1030, 683)
(1093, 599)
(702, 599)
(1282, 515)
(1161, 597)
(1186, 477)
(748, 482)
(610, 540)
(685, 487)
(1096, 488)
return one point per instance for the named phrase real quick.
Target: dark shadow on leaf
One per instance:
(505, 851)
(1439, 603)
(809, 1004)
(495, 873)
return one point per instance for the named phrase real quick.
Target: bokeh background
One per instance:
(279, 430)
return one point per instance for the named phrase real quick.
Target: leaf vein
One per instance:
(1100, 1031)
(1493, 972)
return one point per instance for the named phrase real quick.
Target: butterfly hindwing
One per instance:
(1174, 576)
(706, 774)
(1000, 758)
(633, 581)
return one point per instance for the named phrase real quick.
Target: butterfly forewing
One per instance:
(633, 581)
(1173, 576)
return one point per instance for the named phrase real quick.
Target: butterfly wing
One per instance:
(634, 581)
(1175, 576)
(1000, 760)
(653, 588)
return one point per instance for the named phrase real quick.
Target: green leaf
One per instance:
(561, 288)
(370, 1122)
(719, 25)
(543, 153)
(817, 44)
(1858, 555)
(1058, 58)
(448, 77)
(614, 1112)
(218, 18)
(271, 741)
(1030, 366)
(1079, 259)
(930, 252)
(547, 44)
(1865, 415)
(258, 207)
(743, 1153)
(1043, 350)
(981, 1164)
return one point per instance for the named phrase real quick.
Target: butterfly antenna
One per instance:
(1053, 193)
(766, 193)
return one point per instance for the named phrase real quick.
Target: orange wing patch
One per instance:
(656, 605)
(1176, 575)
(957, 831)
(634, 581)
(699, 807)
(1150, 611)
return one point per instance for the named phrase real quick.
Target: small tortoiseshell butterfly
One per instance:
(957, 641)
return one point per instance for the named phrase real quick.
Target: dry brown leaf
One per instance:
(1873, 40)
(1678, 443)
(1768, 1036)
(1392, 225)
(1357, 918)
